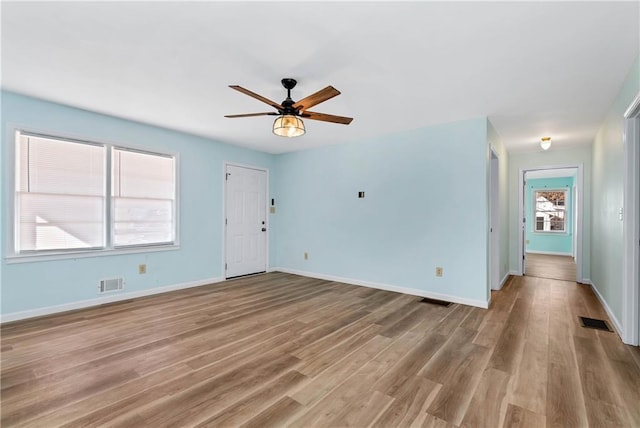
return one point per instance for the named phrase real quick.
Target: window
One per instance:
(550, 210)
(143, 198)
(61, 201)
(60, 194)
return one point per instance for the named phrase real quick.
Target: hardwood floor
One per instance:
(551, 266)
(283, 350)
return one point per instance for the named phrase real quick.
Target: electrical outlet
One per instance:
(438, 271)
(306, 255)
(142, 268)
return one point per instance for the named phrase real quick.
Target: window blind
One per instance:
(60, 194)
(143, 194)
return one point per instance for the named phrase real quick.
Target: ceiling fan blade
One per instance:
(250, 115)
(317, 98)
(257, 97)
(327, 117)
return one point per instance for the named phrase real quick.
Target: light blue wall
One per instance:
(425, 206)
(33, 285)
(608, 187)
(556, 242)
(553, 158)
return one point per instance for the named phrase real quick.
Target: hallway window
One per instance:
(550, 210)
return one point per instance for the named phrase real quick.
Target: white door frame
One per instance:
(631, 226)
(494, 219)
(224, 212)
(577, 204)
(574, 196)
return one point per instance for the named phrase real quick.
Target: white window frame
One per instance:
(535, 211)
(12, 256)
(111, 205)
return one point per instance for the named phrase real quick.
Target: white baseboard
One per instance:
(15, 316)
(502, 282)
(387, 287)
(515, 273)
(608, 310)
(505, 279)
(550, 253)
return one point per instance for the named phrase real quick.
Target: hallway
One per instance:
(551, 266)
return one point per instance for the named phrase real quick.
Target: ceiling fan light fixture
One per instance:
(545, 143)
(288, 125)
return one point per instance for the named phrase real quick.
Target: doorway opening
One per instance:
(551, 215)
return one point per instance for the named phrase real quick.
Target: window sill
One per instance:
(32, 258)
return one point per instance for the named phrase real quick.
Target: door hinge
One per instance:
(225, 266)
(225, 221)
(226, 177)
(523, 257)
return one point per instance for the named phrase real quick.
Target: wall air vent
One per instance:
(109, 285)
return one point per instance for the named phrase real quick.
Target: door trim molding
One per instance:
(225, 164)
(631, 225)
(578, 227)
(494, 227)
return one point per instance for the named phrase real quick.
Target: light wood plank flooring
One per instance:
(551, 266)
(283, 350)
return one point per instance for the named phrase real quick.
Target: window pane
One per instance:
(59, 194)
(143, 192)
(53, 222)
(550, 210)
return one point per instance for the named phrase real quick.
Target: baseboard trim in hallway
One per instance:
(616, 324)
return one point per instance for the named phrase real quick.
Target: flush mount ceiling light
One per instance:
(289, 122)
(545, 143)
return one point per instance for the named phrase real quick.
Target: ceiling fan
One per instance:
(289, 122)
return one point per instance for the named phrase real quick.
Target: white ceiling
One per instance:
(535, 69)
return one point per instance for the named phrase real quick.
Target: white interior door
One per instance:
(246, 221)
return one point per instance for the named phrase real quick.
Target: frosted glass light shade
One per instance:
(288, 126)
(545, 143)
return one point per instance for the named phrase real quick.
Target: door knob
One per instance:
(264, 229)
